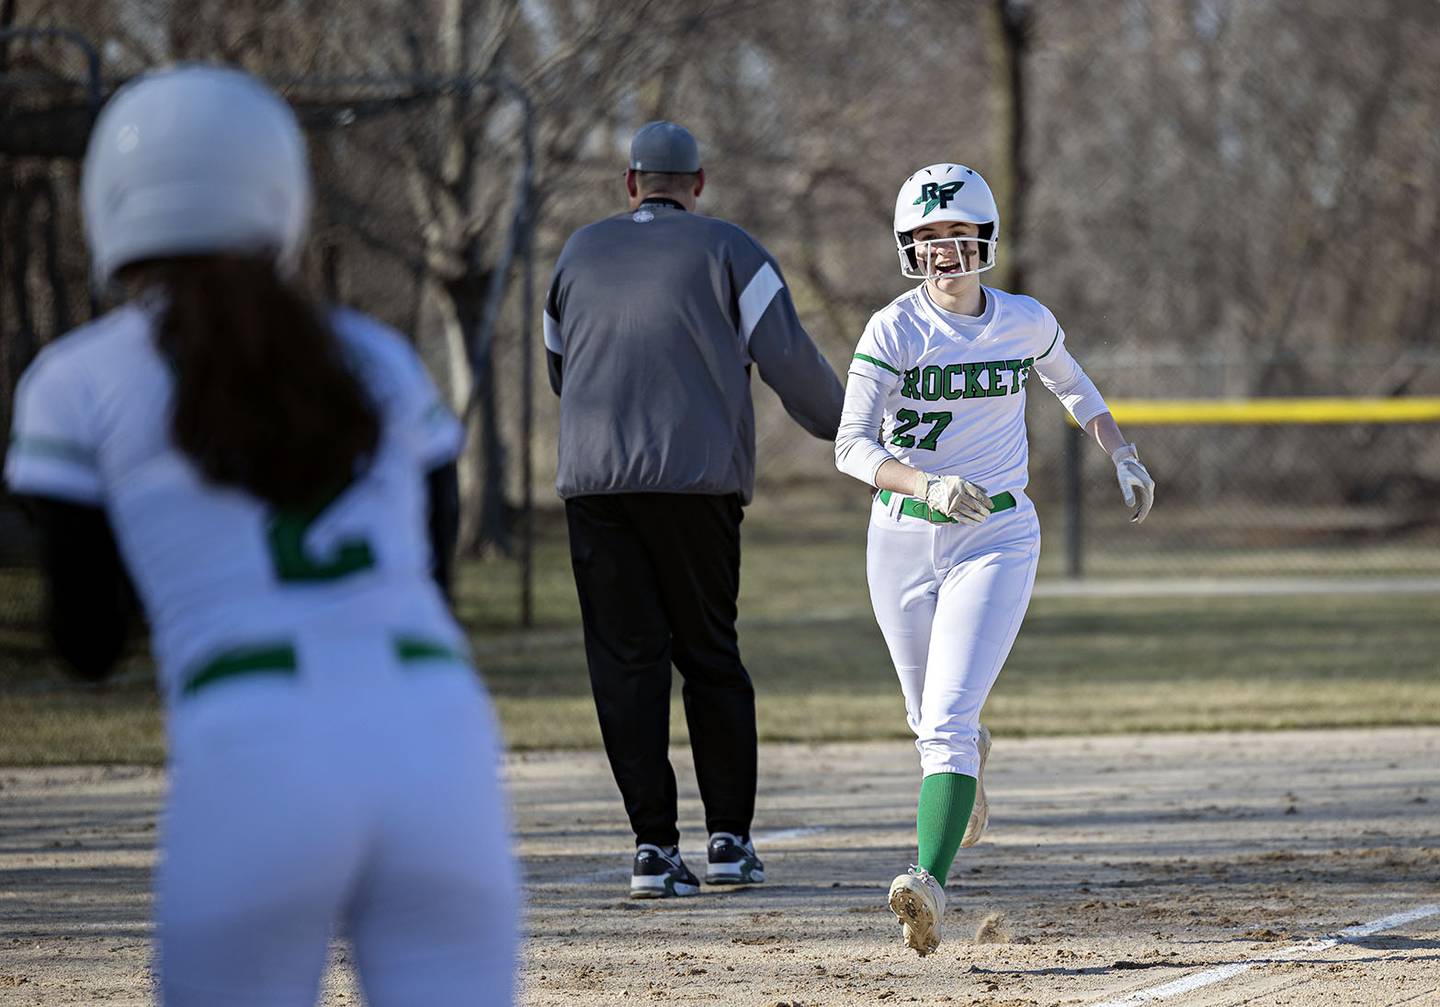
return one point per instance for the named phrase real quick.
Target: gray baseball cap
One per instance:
(664, 147)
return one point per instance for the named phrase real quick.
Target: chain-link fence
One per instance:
(1271, 506)
(1345, 497)
(1337, 495)
(424, 218)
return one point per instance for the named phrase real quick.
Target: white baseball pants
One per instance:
(949, 599)
(362, 795)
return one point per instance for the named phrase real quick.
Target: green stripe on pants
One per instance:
(267, 659)
(417, 648)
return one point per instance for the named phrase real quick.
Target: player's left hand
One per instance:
(1136, 485)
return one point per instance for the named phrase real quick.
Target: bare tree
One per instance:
(1218, 197)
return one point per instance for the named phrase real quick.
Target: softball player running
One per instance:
(953, 543)
(263, 465)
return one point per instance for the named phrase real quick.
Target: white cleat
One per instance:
(980, 814)
(918, 901)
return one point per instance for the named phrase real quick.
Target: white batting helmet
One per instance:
(193, 160)
(945, 192)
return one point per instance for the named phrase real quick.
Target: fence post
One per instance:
(1074, 520)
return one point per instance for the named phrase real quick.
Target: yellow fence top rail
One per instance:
(1138, 412)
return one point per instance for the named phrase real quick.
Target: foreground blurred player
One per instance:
(265, 467)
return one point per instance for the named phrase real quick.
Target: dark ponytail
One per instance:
(265, 400)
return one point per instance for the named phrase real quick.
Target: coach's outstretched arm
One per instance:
(789, 360)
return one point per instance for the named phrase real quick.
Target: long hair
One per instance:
(265, 400)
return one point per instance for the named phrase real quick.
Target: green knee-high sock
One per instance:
(945, 803)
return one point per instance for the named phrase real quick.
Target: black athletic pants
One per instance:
(658, 576)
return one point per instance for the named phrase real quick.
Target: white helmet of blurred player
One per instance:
(945, 192)
(195, 160)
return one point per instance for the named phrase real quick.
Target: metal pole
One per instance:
(1074, 547)
(521, 244)
(527, 379)
(527, 462)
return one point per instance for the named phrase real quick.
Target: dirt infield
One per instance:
(1200, 869)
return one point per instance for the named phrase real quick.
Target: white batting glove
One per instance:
(954, 497)
(1135, 483)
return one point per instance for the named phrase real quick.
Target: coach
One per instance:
(653, 321)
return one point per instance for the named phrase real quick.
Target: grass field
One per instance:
(1081, 665)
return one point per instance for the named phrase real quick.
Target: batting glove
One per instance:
(955, 497)
(1136, 485)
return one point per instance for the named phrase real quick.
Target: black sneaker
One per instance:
(733, 861)
(660, 874)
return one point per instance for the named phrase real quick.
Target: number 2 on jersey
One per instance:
(909, 419)
(286, 535)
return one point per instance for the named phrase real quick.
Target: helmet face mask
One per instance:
(943, 258)
(937, 194)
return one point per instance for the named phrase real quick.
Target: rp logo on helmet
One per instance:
(934, 194)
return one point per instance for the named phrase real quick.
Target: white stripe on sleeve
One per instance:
(552, 335)
(759, 292)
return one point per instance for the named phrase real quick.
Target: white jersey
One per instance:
(947, 394)
(227, 581)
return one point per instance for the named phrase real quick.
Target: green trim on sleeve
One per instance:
(1052, 344)
(53, 447)
(877, 363)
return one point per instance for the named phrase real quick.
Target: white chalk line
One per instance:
(1232, 587)
(1199, 980)
(759, 838)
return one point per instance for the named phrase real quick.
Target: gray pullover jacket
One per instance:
(652, 323)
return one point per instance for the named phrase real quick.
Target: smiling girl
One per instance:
(941, 374)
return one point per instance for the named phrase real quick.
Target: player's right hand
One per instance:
(957, 498)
